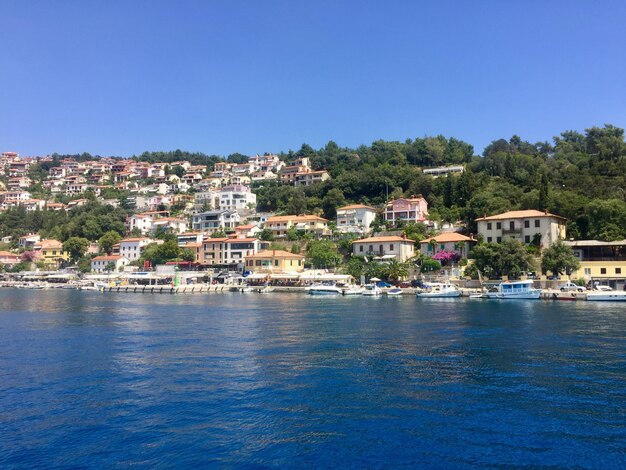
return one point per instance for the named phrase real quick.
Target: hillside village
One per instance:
(141, 216)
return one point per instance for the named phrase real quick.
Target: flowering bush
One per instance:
(446, 256)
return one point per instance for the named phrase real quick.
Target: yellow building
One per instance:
(601, 262)
(306, 223)
(274, 261)
(51, 252)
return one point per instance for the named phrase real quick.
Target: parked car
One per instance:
(570, 286)
(383, 284)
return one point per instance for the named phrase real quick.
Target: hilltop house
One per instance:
(413, 209)
(212, 221)
(306, 223)
(355, 218)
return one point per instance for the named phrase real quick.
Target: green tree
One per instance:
(559, 258)
(187, 254)
(394, 270)
(75, 247)
(322, 254)
(107, 241)
(266, 235)
(429, 265)
(333, 199)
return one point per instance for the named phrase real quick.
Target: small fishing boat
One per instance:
(440, 290)
(371, 290)
(515, 290)
(394, 291)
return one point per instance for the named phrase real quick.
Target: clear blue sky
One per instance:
(118, 77)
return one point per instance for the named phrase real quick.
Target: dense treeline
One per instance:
(579, 176)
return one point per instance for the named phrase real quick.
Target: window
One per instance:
(527, 239)
(371, 248)
(602, 270)
(499, 239)
(275, 262)
(618, 270)
(361, 248)
(489, 239)
(488, 225)
(537, 223)
(380, 248)
(442, 247)
(527, 224)
(512, 225)
(498, 225)
(391, 247)
(587, 271)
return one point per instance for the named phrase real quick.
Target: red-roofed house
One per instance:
(452, 242)
(355, 218)
(528, 226)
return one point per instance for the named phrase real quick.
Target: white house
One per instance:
(236, 197)
(211, 221)
(100, 264)
(132, 248)
(385, 248)
(528, 226)
(172, 224)
(355, 218)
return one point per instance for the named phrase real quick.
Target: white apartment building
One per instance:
(355, 218)
(236, 198)
(132, 248)
(212, 221)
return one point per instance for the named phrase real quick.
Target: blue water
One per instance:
(285, 380)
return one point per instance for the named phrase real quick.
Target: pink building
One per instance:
(413, 209)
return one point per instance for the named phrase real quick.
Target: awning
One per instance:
(257, 276)
(384, 257)
(285, 276)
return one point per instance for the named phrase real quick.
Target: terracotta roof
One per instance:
(355, 206)
(295, 218)
(275, 254)
(6, 254)
(107, 258)
(139, 239)
(243, 240)
(520, 215)
(384, 239)
(46, 244)
(192, 245)
(448, 237)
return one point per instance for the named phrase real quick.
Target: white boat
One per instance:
(353, 290)
(440, 290)
(394, 291)
(265, 290)
(605, 293)
(323, 289)
(371, 290)
(515, 290)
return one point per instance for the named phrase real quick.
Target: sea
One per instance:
(246, 380)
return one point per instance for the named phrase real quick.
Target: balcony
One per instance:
(511, 231)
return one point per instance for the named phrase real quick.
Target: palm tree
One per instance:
(395, 270)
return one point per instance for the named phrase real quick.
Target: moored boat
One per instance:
(440, 290)
(393, 291)
(371, 290)
(352, 290)
(323, 289)
(607, 294)
(515, 290)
